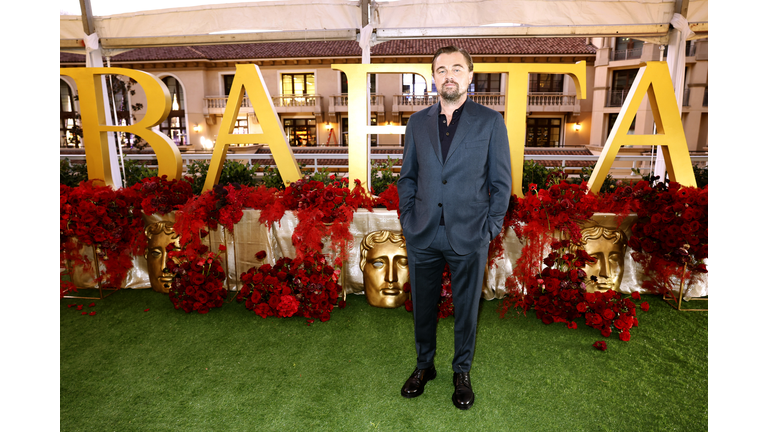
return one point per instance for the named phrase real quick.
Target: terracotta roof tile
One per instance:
(425, 47)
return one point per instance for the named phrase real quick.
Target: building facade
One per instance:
(311, 98)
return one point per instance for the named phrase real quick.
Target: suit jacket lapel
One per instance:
(432, 131)
(465, 125)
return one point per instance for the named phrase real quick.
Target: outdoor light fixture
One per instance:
(577, 127)
(327, 125)
(206, 143)
(197, 128)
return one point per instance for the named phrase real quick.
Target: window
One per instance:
(486, 83)
(298, 84)
(545, 83)
(228, 79)
(622, 82)
(414, 84)
(67, 119)
(627, 48)
(300, 132)
(175, 124)
(345, 131)
(241, 126)
(612, 120)
(345, 85)
(543, 132)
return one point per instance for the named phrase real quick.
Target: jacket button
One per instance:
(440, 205)
(445, 181)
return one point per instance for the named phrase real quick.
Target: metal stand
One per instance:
(677, 302)
(98, 287)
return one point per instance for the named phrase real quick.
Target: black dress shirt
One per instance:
(447, 131)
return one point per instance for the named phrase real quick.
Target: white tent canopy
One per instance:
(398, 19)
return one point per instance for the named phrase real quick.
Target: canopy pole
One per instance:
(93, 58)
(678, 34)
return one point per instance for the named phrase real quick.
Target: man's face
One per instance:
(609, 267)
(384, 273)
(156, 256)
(452, 76)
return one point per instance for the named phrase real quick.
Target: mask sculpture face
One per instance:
(607, 246)
(159, 235)
(384, 263)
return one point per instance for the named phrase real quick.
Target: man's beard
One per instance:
(451, 95)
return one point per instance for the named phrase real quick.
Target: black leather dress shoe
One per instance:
(463, 396)
(414, 386)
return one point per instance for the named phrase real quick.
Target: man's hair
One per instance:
(375, 237)
(450, 50)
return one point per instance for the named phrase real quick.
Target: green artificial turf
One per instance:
(125, 369)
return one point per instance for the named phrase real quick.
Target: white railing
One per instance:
(554, 99)
(487, 99)
(635, 53)
(622, 167)
(288, 100)
(415, 100)
(342, 100)
(296, 100)
(221, 102)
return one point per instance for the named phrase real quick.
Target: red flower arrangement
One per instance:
(536, 219)
(160, 195)
(198, 283)
(306, 287)
(559, 295)
(445, 306)
(324, 210)
(671, 234)
(224, 205)
(109, 219)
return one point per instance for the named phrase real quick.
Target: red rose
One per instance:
(261, 255)
(624, 336)
(571, 325)
(645, 306)
(601, 345)
(606, 332)
(288, 306)
(636, 295)
(198, 279)
(262, 310)
(547, 319)
(608, 314)
(581, 307)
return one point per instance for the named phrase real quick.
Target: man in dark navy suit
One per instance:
(454, 187)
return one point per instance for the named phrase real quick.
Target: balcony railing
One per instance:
(220, 102)
(296, 100)
(551, 99)
(627, 54)
(487, 99)
(415, 100)
(615, 98)
(687, 97)
(343, 100)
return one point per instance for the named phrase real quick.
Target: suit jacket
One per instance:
(472, 186)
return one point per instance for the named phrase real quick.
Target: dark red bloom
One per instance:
(601, 345)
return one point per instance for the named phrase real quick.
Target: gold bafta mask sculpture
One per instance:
(384, 263)
(606, 241)
(159, 235)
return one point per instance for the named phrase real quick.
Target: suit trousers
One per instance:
(467, 271)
